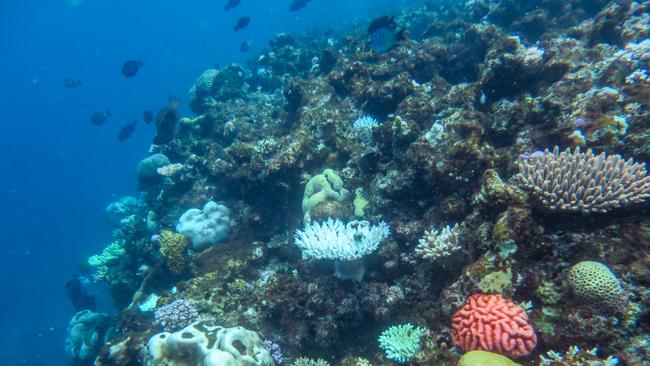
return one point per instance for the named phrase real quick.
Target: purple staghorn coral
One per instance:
(274, 349)
(583, 182)
(176, 315)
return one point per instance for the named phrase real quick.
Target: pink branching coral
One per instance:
(583, 182)
(494, 324)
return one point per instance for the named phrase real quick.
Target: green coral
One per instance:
(496, 282)
(594, 284)
(401, 342)
(172, 249)
(360, 202)
(483, 358)
(110, 254)
(322, 188)
(548, 293)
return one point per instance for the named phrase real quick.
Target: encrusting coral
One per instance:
(172, 249)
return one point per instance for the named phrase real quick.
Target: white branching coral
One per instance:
(346, 244)
(439, 243)
(334, 240)
(363, 128)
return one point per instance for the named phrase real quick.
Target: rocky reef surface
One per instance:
(438, 159)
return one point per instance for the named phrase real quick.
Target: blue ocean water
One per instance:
(58, 170)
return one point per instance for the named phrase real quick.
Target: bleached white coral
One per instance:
(363, 128)
(334, 240)
(439, 243)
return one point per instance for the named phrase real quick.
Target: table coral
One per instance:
(492, 323)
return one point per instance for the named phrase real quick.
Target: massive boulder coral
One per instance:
(492, 323)
(595, 284)
(204, 227)
(205, 344)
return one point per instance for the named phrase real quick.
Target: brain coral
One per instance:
(492, 323)
(595, 284)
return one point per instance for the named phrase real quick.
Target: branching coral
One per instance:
(583, 182)
(439, 243)
(401, 342)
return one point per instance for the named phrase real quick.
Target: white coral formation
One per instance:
(204, 227)
(203, 343)
(439, 243)
(170, 170)
(334, 240)
(583, 182)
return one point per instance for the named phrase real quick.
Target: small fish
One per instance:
(384, 34)
(147, 116)
(99, 118)
(126, 131)
(79, 293)
(244, 47)
(131, 67)
(242, 23)
(71, 83)
(298, 4)
(231, 4)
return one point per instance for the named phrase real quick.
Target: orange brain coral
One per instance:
(494, 324)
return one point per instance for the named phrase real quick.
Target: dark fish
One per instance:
(244, 47)
(231, 4)
(99, 118)
(165, 125)
(298, 4)
(242, 23)
(126, 131)
(78, 289)
(147, 116)
(131, 67)
(384, 34)
(71, 83)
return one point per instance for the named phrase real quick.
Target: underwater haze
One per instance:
(325, 182)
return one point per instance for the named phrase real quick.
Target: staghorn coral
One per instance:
(439, 243)
(304, 361)
(176, 315)
(172, 248)
(595, 284)
(492, 323)
(583, 182)
(401, 342)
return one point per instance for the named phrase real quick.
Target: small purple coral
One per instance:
(176, 315)
(274, 349)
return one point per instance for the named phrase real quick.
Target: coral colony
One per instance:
(477, 185)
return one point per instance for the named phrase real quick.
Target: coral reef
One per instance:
(172, 249)
(463, 111)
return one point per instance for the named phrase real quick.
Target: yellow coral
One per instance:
(360, 202)
(483, 358)
(172, 248)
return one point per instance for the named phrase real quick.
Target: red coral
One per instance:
(494, 324)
